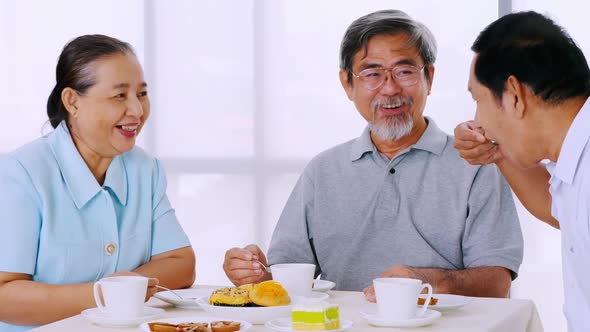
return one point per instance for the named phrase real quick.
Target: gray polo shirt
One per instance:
(355, 213)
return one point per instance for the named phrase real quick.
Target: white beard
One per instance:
(391, 127)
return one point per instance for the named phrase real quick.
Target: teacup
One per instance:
(123, 296)
(397, 297)
(296, 278)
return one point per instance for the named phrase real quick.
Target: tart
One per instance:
(182, 327)
(225, 326)
(433, 301)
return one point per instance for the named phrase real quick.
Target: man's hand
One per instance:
(473, 146)
(397, 271)
(152, 282)
(241, 267)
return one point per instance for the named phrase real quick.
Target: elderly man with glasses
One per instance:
(398, 201)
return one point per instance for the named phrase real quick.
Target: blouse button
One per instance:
(110, 248)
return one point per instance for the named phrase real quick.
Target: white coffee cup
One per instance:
(123, 296)
(296, 278)
(397, 297)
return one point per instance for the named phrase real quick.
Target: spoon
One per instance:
(266, 268)
(175, 293)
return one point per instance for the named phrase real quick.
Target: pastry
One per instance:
(182, 327)
(225, 326)
(162, 327)
(196, 327)
(433, 301)
(230, 296)
(264, 294)
(269, 293)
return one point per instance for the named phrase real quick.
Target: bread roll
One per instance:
(269, 293)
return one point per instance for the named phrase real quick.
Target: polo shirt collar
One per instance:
(432, 140)
(573, 146)
(362, 145)
(78, 178)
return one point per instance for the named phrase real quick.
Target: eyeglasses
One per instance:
(404, 75)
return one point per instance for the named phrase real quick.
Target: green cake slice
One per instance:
(314, 316)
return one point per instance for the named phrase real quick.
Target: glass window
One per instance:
(31, 41)
(203, 77)
(216, 211)
(306, 109)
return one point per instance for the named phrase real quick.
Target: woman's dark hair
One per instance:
(72, 69)
(535, 50)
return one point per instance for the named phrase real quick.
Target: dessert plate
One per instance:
(448, 302)
(315, 296)
(188, 297)
(195, 319)
(323, 285)
(284, 325)
(255, 315)
(100, 318)
(428, 318)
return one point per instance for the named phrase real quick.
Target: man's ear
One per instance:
(346, 84)
(70, 98)
(514, 98)
(430, 77)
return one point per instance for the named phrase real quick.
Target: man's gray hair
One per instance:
(386, 22)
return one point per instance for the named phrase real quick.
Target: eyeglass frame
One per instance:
(385, 70)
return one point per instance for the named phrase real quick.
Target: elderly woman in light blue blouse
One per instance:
(84, 202)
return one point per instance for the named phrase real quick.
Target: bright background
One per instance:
(245, 92)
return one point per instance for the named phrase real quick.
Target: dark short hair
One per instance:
(72, 69)
(538, 52)
(386, 22)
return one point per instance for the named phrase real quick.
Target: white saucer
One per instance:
(189, 295)
(448, 302)
(100, 318)
(429, 317)
(284, 325)
(315, 296)
(323, 285)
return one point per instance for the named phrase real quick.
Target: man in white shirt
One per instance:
(531, 83)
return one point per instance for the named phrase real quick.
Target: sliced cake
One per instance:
(314, 315)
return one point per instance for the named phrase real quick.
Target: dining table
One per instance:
(479, 314)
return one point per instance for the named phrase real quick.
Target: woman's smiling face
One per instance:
(110, 114)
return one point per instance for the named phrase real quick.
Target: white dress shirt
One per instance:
(570, 192)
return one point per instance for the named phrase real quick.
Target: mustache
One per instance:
(401, 100)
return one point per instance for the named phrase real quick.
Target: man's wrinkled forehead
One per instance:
(401, 44)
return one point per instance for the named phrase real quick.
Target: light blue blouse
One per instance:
(60, 226)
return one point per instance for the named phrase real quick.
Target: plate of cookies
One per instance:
(195, 324)
(257, 303)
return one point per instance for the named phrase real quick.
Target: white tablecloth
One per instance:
(481, 314)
